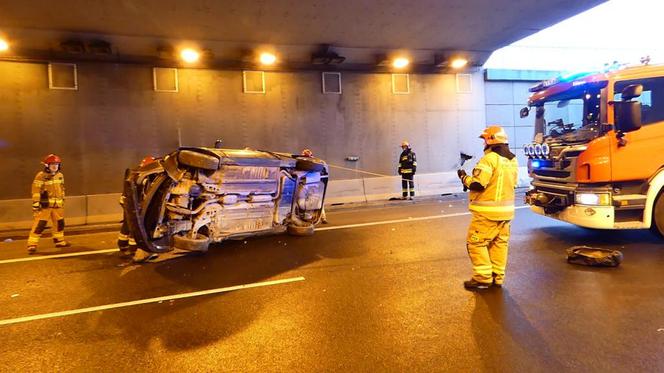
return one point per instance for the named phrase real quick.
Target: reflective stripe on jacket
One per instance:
(49, 189)
(498, 175)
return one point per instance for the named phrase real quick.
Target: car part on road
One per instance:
(595, 257)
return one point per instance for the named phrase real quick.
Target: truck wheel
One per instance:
(199, 244)
(296, 230)
(657, 225)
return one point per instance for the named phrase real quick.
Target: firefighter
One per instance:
(407, 168)
(48, 201)
(126, 242)
(491, 203)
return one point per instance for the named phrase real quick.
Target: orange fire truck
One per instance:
(598, 156)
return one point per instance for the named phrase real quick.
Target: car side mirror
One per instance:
(524, 112)
(627, 112)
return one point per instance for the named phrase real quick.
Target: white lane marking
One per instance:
(148, 300)
(348, 226)
(31, 258)
(431, 217)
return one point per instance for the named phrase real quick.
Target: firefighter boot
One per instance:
(473, 284)
(32, 249)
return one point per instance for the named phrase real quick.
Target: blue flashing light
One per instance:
(536, 164)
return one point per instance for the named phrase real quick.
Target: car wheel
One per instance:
(296, 230)
(657, 224)
(199, 244)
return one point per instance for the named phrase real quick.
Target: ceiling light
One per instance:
(267, 58)
(400, 62)
(189, 55)
(458, 63)
(4, 46)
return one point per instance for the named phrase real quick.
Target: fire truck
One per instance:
(598, 156)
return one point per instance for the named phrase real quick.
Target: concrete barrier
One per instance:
(104, 208)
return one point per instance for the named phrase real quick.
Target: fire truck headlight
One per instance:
(546, 150)
(593, 199)
(530, 150)
(538, 150)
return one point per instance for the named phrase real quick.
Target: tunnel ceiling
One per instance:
(477, 25)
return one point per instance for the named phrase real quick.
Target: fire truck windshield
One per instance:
(570, 117)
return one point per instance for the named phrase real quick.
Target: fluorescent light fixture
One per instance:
(4, 45)
(189, 55)
(458, 63)
(400, 62)
(267, 58)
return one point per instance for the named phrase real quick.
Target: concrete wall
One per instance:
(115, 119)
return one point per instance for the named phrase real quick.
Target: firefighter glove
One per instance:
(36, 207)
(461, 173)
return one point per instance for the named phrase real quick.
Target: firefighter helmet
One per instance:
(51, 158)
(405, 144)
(307, 153)
(147, 160)
(494, 135)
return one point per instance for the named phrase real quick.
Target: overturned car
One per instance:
(196, 196)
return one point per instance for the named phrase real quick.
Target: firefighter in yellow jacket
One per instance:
(491, 203)
(48, 201)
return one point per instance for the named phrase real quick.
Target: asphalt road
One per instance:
(367, 297)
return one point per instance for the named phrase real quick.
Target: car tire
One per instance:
(305, 164)
(199, 244)
(657, 224)
(297, 230)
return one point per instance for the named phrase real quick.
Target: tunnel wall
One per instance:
(115, 118)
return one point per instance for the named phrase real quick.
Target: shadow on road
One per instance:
(506, 339)
(200, 321)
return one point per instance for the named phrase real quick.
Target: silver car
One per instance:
(196, 195)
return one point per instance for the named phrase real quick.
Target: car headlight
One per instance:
(594, 199)
(538, 150)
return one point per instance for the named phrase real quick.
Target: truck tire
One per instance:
(657, 224)
(296, 230)
(199, 244)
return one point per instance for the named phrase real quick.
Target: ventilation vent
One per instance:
(331, 83)
(464, 83)
(62, 76)
(400, 84)
(165, 79)
(253, 81)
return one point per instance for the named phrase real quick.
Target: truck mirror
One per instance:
(524, 112)
(627, 115)
(631, 91)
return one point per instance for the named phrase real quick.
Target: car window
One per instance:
(652, 98)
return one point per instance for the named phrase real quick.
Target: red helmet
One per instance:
(307, 153)
(51, 158)
(147, 160)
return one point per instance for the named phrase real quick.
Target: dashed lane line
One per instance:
(147, 301)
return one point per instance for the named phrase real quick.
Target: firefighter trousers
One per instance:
(487, 244)
(407, 182)
(57, 217)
